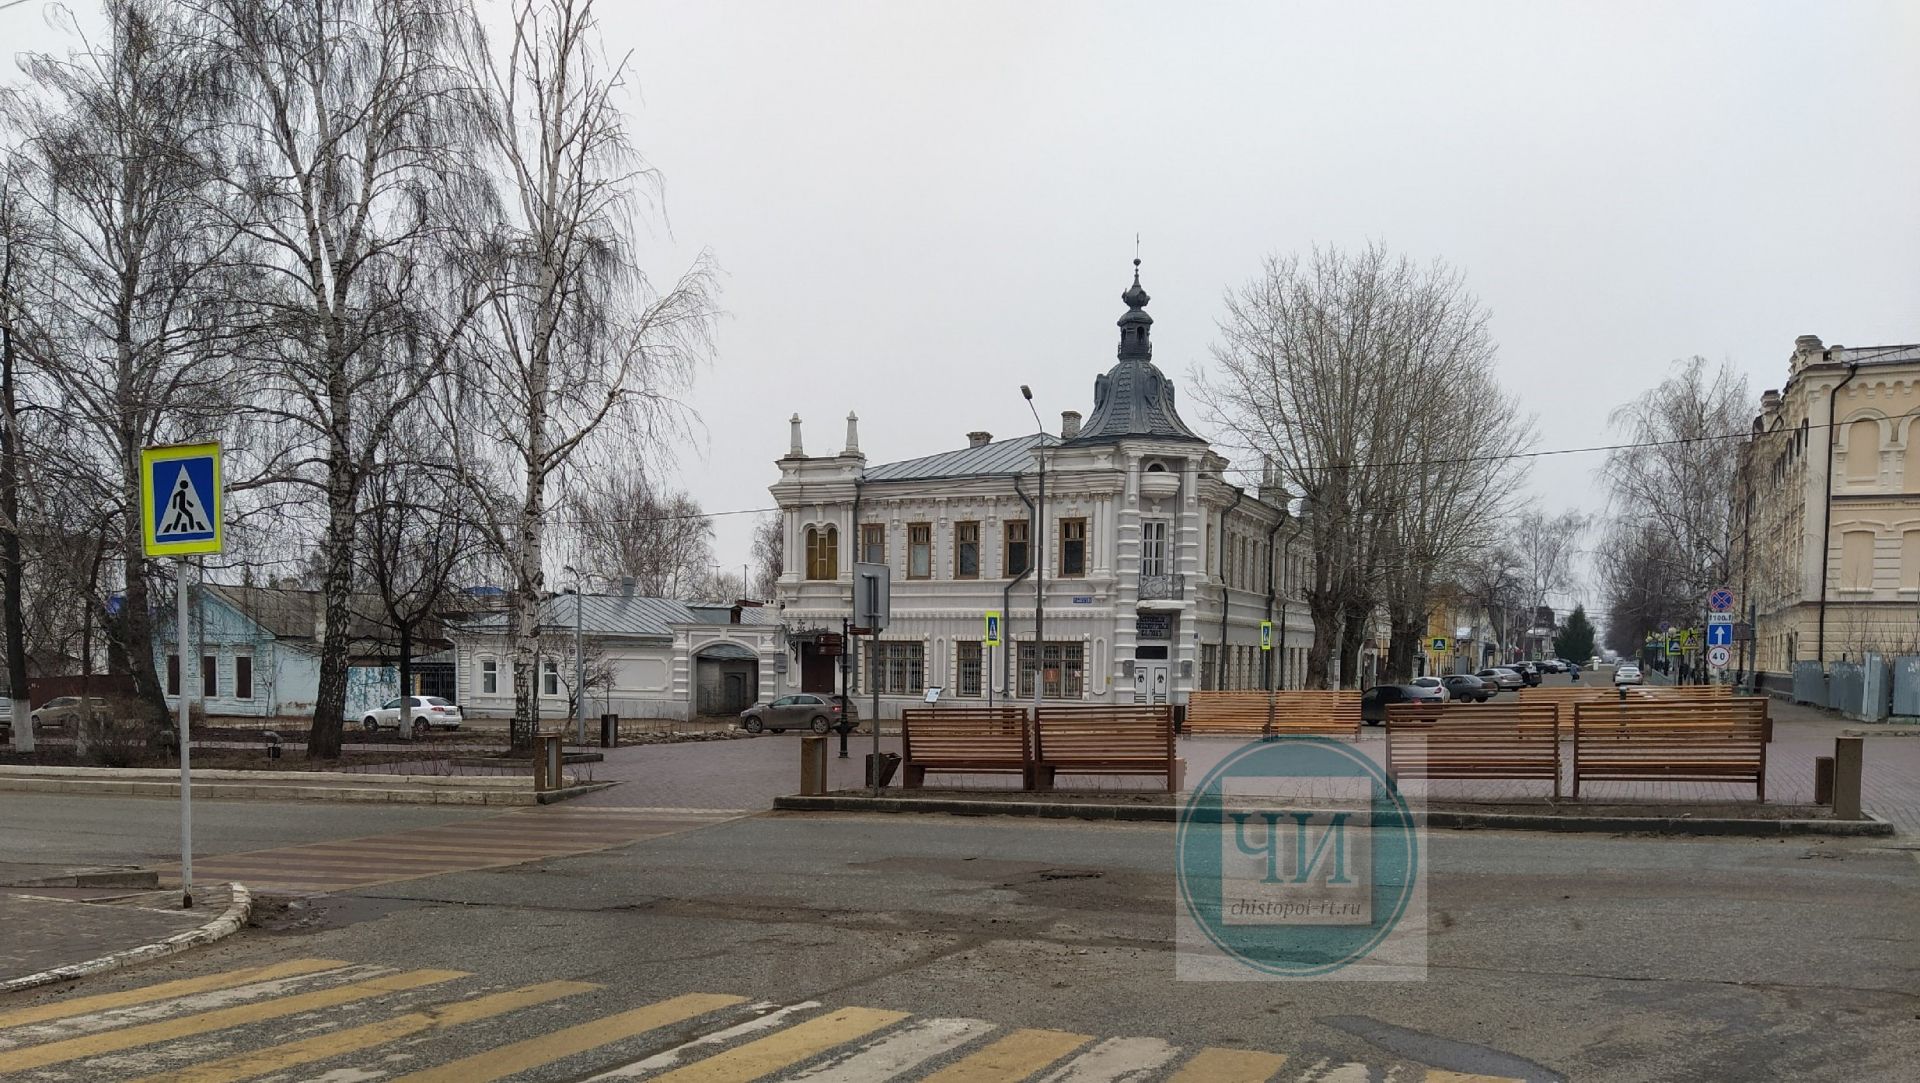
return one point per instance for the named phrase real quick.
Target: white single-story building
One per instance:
(644, 657)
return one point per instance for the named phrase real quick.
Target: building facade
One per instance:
(642, 658)
(1827, 543)
(256, 654)
(1134, 571)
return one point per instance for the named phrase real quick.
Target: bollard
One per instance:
(813, 766)
(1823, 780)
(1846, 777)
(546, 762)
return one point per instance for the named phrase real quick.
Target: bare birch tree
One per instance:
(578, 345)
(351, 125)
(126, 313)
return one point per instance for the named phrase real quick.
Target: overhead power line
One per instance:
(957, 482)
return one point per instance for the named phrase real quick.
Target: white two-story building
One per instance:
(1139, 574)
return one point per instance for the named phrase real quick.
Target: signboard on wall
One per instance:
(1153, 626)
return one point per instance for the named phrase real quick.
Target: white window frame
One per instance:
(1153, 546)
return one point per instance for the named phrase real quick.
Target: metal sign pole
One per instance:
(186, 747)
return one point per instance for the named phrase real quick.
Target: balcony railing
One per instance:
(1157, 587)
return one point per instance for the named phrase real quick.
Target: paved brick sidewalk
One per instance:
(48, 928)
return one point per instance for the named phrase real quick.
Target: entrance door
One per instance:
(737, 692)
(1150, 682)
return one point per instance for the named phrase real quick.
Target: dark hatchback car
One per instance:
(1374, 704)
(1467, 688)
(1527, 671)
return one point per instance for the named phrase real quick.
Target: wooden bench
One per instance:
(975, 740)
(1247, 714)
(1716, 711)
(1463, 741)
(1651, 742)
(1117, 739)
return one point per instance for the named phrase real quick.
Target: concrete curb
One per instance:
(426, 795)
(228, 923)
(1873, 826)
(261, 778)
(549, 797)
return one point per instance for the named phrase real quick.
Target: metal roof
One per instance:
(1010, 456)
(623, 615)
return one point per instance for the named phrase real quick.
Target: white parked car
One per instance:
(1626, 674)
(1434, 683)
(429, 713)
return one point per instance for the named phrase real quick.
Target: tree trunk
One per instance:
(1353, 635)
(330, 704)
(134, 630)
(529, 586)
(1326, 632)
(15, 624)
(406, 679)
(1404, 646)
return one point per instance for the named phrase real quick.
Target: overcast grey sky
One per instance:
(921, 206)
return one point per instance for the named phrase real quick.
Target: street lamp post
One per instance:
(1039, 565)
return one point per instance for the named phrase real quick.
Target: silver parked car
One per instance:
(61, 712)
(1503, 679)
(804, 710)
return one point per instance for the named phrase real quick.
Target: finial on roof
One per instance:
(1134, 325)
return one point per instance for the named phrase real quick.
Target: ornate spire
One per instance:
(1136, 325)
(1134, 398)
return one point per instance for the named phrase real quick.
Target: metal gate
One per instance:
(1876, 691)
(1846, 686)
(1906, 685)
(1809, 684)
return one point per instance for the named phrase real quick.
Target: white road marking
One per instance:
(94, 1022)
(1114, 1061)
(899, 1052)
(704, 1043)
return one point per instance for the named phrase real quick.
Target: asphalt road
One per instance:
(1550, 957)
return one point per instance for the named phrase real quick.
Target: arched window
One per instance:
(1911, 482)
(1156, 468)
(823, 552)
(1863, 449)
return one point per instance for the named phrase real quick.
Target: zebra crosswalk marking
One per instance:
(534, 1052)
(217, 1029)
(894, 1055)
(775, 1016)
(367, 1036)
(1216, 1065)
(166, 990)
(112, 1041)
(1015, 1057)
(1115, 1060)
(764, 1056)
(489, 842)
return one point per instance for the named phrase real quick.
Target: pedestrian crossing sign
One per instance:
(180, 499)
